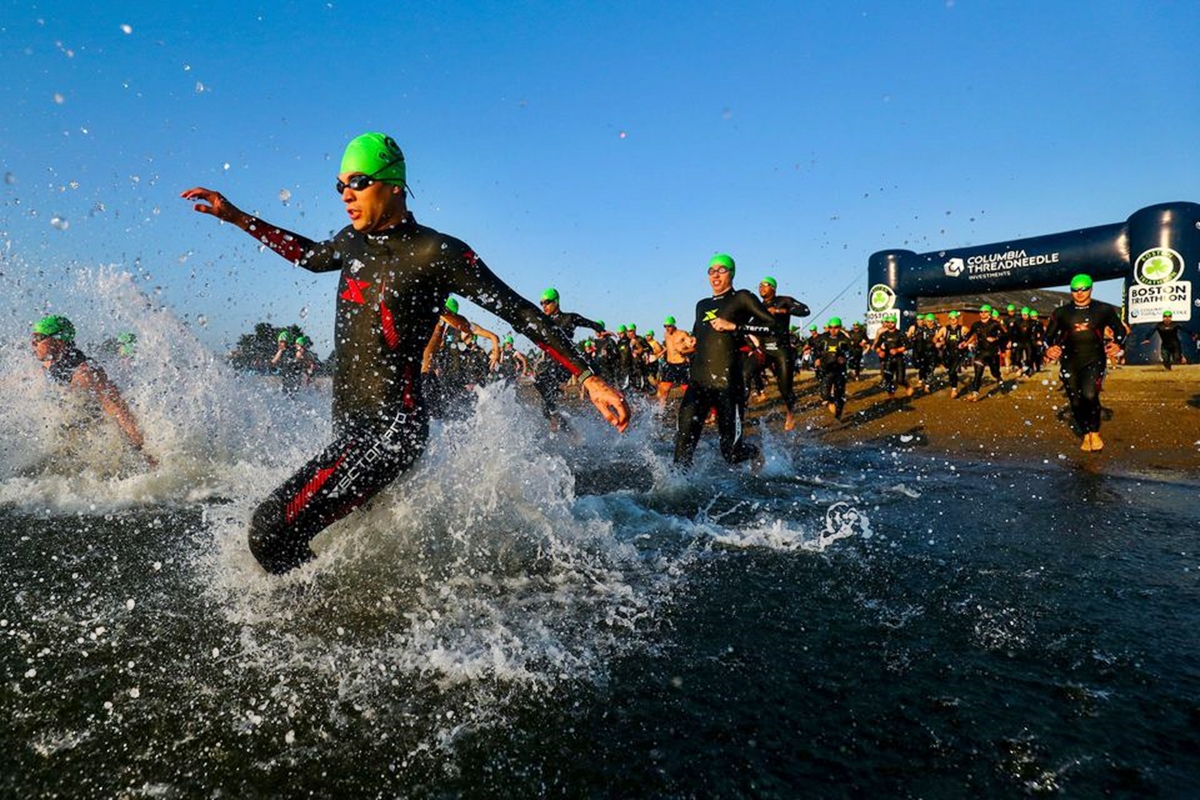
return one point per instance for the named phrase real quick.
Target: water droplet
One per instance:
(126, 29)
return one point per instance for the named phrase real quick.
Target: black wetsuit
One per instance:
(858, 337)
(1020, 341)
(1168, 337)
(989, 337)
(924, 354)
(833, 354)
(715, 378)
(550, 377)
(1080, 334)
(62, 369)
(952, 354)
(891, 365)
(392, 289)
(777, 346)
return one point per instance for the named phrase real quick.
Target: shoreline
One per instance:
(1150, 423)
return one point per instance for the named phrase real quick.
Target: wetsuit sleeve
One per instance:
(748, 308)
(1113, 320)
(301, 251)
(580, 321)
(1053, 328)
(471, 278)
(796, 308)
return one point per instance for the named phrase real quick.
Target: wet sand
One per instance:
(1150, 425)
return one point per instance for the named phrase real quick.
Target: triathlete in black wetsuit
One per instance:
(987, 334)
(890, 345)
(1170, 348)
(1076, 332)
(395, 277)
(832, 351)
(551, 376)
(1020, 343)
(924, 353)
(777, 346)
(715, 378)
(858, 343)
(950, 339)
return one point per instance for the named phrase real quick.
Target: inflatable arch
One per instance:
(1156, 251)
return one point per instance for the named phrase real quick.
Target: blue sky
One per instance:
(607, 149)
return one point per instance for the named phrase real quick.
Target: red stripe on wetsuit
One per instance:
(297, 503)
(560, 358)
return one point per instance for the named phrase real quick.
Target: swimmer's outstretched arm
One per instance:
(291, 246)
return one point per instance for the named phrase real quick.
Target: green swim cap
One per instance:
(1166, 313)
(451, 305)
(126, 338)
(954, 314)
(600, 322)
(931, 317)
(812, 327)
(377, 155)
(550, 294)
(649, 334)
(631, 327)
(1033, 313)
(1011, 307)
(284, 336)
(722, 260)
(620, 329)
(1025, 311)
(57, 326)
(670, 321)
(770, 282)
(1081, 281)
(508, 340)
(303, 341)
(890, 318)
(834, 322)
(985, 307)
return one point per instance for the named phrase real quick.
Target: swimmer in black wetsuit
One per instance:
(890, 345)
(715, 377)
(1076, 333)
(551, 376)
(832, 351)
(949, 340)
(395, 277)
(987, 335)
(53, 342)
(1170, 348)
(777, 345)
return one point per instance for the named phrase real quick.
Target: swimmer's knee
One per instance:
(272, 544)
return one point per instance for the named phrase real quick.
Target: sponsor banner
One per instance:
(1146, 304)
(997, 264)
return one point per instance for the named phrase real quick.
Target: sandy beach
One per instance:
(1151, 421)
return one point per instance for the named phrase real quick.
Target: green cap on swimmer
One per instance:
(1080, 282)
(600, 324)
(550, 295)
(508, 340)
(1166, 313)
(723, 260)
(56, 326)
(377, 155)
(303, 341)
(769, 281)
(985, 309)
(669, 322)
(834, 322)
(451, 305)
(284, 336)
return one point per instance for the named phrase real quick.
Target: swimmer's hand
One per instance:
(215, 204)
(1052, 353)
(608, 401)
(723, 325)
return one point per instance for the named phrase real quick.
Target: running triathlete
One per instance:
(777, 346)
(1170, 348)
(832, 351)
(859, 346)
(53, 342)
(987, 337)
(551, 375)
(395, 278)
(890, 345)
(1076, 333)
(679, 346)
(714, 383)
(949, 340)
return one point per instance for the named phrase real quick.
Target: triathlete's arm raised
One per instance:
(298, 249)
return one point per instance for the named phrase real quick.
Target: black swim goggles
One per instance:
(362, 180)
